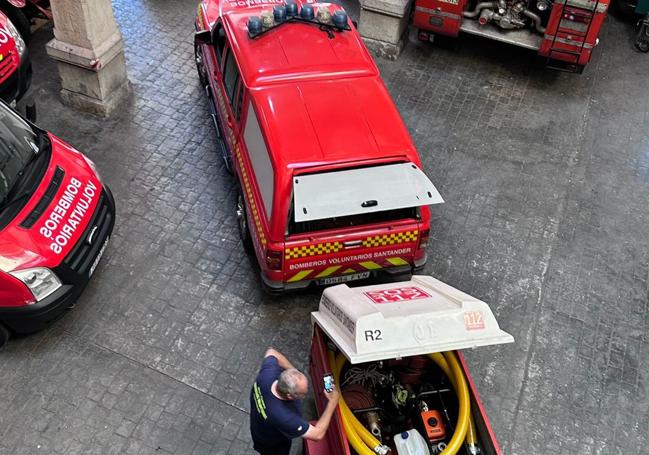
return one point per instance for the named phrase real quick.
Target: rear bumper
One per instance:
(385, 274)
(15, 86)
(39, 315)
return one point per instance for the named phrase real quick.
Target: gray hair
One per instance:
(287, 383)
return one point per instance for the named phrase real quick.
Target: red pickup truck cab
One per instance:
(15, 65)
(56, 217)
(330, 184)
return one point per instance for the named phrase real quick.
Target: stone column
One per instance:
(383, 24)
(88, 48)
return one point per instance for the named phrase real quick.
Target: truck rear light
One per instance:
(423, 239)
(274, 260)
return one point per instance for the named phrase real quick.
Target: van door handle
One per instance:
(352, 243)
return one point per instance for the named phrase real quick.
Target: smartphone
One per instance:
(328, 382)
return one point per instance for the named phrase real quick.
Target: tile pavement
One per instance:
(545, 177)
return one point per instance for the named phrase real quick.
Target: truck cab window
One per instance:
(230, 76)
(238, 106)
(218, 38)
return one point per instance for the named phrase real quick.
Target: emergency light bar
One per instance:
(288, 13)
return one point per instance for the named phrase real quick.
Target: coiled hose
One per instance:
(364, 442)
(359, 437)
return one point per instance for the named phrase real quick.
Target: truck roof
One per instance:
(319, 100)
(293, 51)
(321, 122)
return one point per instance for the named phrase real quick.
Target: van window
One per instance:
(230, 75)
(351, 220)
(259, 159)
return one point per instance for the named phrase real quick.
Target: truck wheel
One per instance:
(200, 66)
(18, 18)
(4, 335)
(242, 222)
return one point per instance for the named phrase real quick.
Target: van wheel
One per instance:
(242, 221)
(200, 65)
(4, 335)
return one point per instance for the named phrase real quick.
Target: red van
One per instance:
(330, 184)
(15, 66)
(56, 218)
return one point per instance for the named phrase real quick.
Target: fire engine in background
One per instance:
(331, 186)
(55, 221)
(563, 31)
(15, 66)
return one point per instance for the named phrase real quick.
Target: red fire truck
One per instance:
(15, 66)
(563, 31)
(56, 217)
(330, 184)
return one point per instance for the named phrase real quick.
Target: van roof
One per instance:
(327, 122)
(293, 51)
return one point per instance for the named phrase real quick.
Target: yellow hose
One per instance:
(369, 439)
(351, 424)
(360, 438)
(440, 360)
(463, 418)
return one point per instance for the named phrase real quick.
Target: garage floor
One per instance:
(546, 179)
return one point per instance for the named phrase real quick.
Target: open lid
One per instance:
(403, 319)
(362, 190)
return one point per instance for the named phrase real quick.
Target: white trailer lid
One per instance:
(362, 190)
(403, 319)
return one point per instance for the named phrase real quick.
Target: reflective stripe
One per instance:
(349, 271)
(259, 401)
(391, 239)
(249, 195)
(397, 261)
(370, 265)
(300, 275)
(312, 250)
(328, 271)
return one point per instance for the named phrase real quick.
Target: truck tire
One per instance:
(4, 335)
(242, 222)
(200, 65)
(18, 18)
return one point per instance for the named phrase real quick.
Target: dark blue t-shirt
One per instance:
(273, 421)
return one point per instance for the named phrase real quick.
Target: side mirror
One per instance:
(203, 37)
(30, 112)
(355, 24)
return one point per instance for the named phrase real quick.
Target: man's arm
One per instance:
(282, 361)
(317, 432)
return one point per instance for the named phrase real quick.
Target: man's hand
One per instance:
(282, 361)
(334, 395)
(317, 432)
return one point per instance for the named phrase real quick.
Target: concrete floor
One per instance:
(545, 176)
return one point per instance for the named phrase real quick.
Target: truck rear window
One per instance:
(303, 227)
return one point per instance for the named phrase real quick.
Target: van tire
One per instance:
(4, 335)
(242, 222)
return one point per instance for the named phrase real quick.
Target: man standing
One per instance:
(276, 407)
